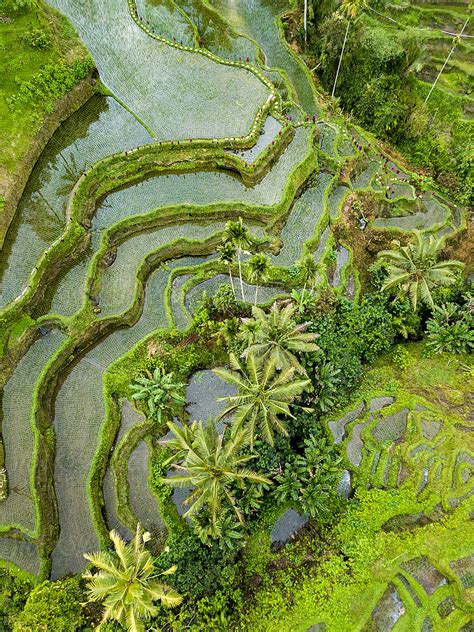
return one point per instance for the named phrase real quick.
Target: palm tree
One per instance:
(305, 22)
(227, 256)
(456, 41)
(263, 395)
(159, 390)
(350, 8)
(308, 269)
(238, 235)
(259, 267)
(212, 466)
(126, 582)
(414, 268)
(278, 336)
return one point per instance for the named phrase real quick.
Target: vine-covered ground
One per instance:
(202, 114)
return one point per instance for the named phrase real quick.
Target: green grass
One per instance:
(20, 62)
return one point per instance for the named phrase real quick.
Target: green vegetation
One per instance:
(127, 584)
(42, 59)
(393, 54)
(291, 450)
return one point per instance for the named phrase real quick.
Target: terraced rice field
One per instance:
(85, 278)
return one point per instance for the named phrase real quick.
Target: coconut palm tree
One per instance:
(259, 268)
(278, 337)
(212, 466)
(349, 8)
(263, 395)
(237, 234)
(227, 256)
(160, 392)
(126, 582)
(414, 268)
(308, 269)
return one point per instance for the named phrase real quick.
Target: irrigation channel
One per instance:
(117, 230)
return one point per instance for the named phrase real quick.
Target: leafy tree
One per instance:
(414, 268)
(450, 329)
(310, 479)
(126, 582)
(278, 337)
(263, 395)
(238, 236)
(160, 392)
(259, 267)
(227, 256)
(327, 382)
(52, 606)
(212, 466)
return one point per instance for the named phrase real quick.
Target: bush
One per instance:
(52, 606)
(14, 590)
(310, 479)
(451, 329)
(201, 567)
(37, 38)
(350, 335)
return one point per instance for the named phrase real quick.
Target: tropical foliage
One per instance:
(213, 466)
(237, 234)
(259, 267)
(160, 392)
(450, 329)
(414, 269)
(264, 396)
(278, 338)
(310, 479)
(126, 582)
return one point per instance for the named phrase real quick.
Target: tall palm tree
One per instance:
(305, 22)
(349, 8)
(160, 392)
(278, 336)
(238, 235)
(212, 466)
(259, 268)
(126, 582)
(308, 269)
(227, 256)
(263, 395)
(414, 268)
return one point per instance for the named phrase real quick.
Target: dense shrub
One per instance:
(37, 38)
(201, 567)
(52, 606)
(14, 590)
(49, 84)
(450, 329)
(350, 334)
(309, 480)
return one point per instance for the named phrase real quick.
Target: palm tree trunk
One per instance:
(232, 281)
(340, 58)
(256, 293)
(240, 275)
(305, 21)
(456, 41)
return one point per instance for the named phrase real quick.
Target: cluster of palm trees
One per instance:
(268, 378)
(414, 269)
(237, 241)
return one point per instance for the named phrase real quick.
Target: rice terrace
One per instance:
(236, 315)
